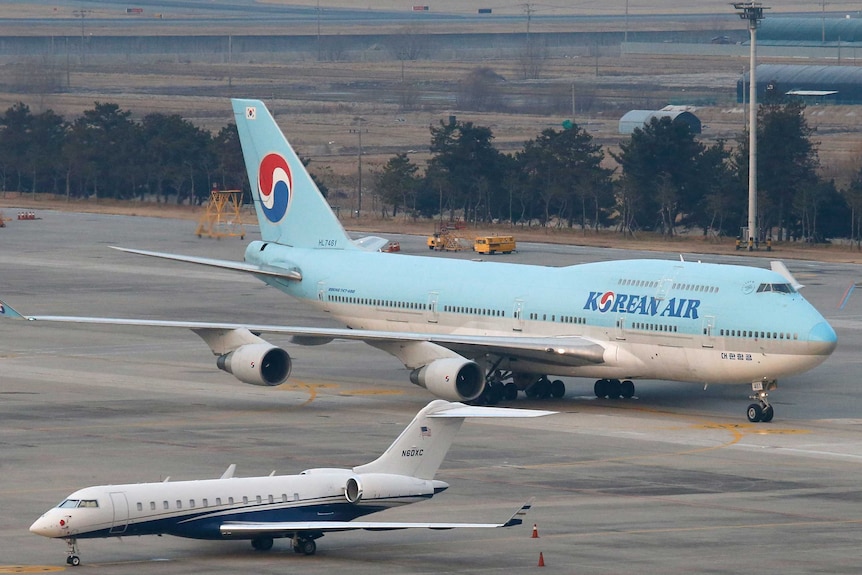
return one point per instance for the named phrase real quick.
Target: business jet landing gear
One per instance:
(73, 558)
(304, 545)
(261, 543)
(762, 410)
(614, 388)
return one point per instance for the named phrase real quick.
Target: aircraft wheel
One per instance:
(306, 547)
(558, 389)
(627, 389)
(543, 388)
(768, 414)
(510, 392)
(755, 412)
(601, 388)
(262, 543)
(73, 560)
(494, 393)
(614, 389)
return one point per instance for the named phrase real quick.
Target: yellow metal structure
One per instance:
(223, 216)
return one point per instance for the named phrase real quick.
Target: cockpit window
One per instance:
(73, 503)
(780, 288)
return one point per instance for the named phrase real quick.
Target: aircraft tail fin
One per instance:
(421, 447)
(290, 209)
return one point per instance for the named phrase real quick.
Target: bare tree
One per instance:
(479, 90)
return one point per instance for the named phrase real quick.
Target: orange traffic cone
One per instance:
(541, 560)
(535, 534)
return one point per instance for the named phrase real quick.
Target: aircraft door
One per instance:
(621, 327)
(431, 316)
(708, 331)
(121, 512)
(321, 295)
(518, 315)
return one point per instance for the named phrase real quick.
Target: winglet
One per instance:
(518, 517)
(228, 473)
(7, 311)
(781, 269)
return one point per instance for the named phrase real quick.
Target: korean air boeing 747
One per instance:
(615, 321)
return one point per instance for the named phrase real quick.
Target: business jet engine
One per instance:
(257, 364)
(368, 487)
(451, 378)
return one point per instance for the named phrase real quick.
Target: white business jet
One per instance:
(301, 507)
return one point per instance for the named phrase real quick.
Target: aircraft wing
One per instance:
(244, 529)
(563, 350)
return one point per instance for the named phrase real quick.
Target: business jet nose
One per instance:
(822, 339)
(49, 526)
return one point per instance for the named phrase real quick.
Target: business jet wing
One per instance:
(563, 350)
(286, 528)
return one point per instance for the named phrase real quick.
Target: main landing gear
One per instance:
(262, 543)
(762, 410)
(73, 558)
(304, 545)
(504, 386)
(614, 388)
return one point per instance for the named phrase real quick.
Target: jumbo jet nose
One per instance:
(822, 339)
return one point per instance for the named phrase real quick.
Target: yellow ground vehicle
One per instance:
(494, 244)
(447, 237)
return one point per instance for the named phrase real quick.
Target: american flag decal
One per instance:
(425, 432)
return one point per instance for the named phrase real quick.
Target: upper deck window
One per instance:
(780, 288)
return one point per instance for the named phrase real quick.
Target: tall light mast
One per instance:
(753, 12)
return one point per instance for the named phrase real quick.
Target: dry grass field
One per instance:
(317, 103)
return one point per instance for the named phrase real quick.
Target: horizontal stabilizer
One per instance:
(288, 274)
(462, 410)
(371, 243)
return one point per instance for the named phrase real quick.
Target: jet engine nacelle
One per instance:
(257, 364)
(367, 487)
(451, 378)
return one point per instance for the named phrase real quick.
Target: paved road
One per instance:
(673, 481)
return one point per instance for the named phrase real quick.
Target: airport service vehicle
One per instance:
(301, 507)
(615, 321)
(494, 245)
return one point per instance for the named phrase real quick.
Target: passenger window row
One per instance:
(378, 302)
(192, 503)
(758, 334)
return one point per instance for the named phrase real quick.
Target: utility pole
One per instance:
(753, 13)
(359, 120)
(82, 13)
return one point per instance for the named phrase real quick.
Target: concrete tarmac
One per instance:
(673, 481)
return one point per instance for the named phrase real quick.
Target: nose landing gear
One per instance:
(73, 558)
(762, 411)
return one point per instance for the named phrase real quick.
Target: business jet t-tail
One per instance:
(300, 507)
(616, 321)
